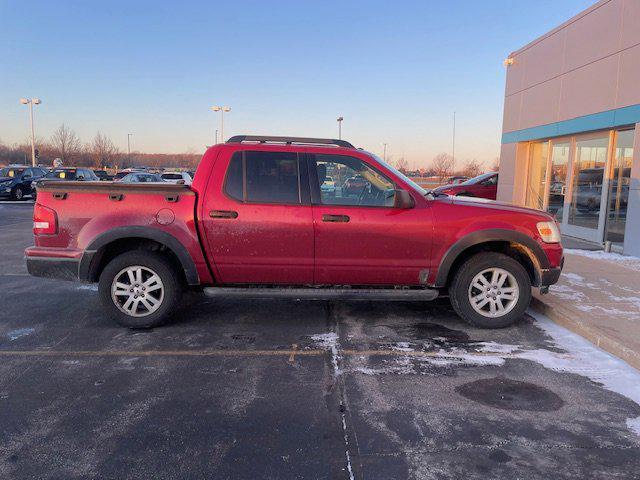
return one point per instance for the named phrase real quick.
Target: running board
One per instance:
(389, 294)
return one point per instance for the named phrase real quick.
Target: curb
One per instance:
(567, 319)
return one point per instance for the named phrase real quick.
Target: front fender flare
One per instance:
(533, 250)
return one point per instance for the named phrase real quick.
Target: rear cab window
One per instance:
(264, 177)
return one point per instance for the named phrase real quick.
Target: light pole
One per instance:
(31, 102)
(129, 135)
(453, 149)
(221, 110)
(384, 155)
(340, 119)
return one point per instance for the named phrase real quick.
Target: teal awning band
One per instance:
(596, 121)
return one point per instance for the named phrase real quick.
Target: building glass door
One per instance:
(619, 186)
(588, 182)
(558, 179)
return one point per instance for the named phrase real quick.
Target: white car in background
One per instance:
(328, 186)
(177, 177)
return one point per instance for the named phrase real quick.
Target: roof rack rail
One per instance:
(289, 140)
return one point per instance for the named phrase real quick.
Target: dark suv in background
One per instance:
(15, 182)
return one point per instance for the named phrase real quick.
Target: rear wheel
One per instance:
(140, 289)
(490, 290)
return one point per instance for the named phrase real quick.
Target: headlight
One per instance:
(549, 232)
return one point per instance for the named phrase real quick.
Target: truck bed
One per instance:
(91, 215)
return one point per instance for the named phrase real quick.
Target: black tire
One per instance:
(460, 291)
(155, 263)
(17, 193)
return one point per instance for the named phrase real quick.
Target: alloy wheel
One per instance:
(137, 291)
(493, 292)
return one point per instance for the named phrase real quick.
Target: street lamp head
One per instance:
(216, 109)
(36, 101)
(340, 119)
(24, 101)
(226, 109)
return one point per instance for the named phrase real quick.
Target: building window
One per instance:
(538, 155)
(619, 186)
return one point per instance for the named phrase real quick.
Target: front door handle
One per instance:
(223, 214)
(335, 218)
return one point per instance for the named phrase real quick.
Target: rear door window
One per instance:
(264, 177)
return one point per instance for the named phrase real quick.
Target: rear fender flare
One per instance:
(90, 258)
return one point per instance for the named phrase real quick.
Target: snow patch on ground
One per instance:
(329, 341)
(585, 359)
(88, 286)
(20, 332)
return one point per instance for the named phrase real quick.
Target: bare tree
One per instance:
(496, 165)
(65, 143)
(103, 151)
(472, 168)
(442, 165)
(402, 164)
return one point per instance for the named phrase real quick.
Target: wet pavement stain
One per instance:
(430, 331)
(507, 394)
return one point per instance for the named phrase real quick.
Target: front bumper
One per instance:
(550, 276)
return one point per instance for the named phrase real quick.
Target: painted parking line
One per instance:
(247, 353)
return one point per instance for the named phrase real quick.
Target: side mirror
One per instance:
(80, 177)
(403, 199)
(26, 177)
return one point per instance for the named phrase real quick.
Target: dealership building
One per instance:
(571, 127)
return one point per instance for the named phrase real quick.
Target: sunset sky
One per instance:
(396, 71)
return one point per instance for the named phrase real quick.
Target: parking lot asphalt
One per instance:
(291, 389)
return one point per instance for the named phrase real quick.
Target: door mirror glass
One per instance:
(402, 199)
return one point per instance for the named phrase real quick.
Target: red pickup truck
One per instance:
(256, 222)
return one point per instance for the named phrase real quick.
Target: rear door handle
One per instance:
(335, 218)
(223, 214)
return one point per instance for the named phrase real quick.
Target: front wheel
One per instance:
(17, 194)
(140, 289)
(490, 290)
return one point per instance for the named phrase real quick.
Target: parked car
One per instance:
(16, 181)
(103, 175)
(328, 185)
(141, 177)
(354, 185)
(176, 177)
(123, 173)
(482, 186)
(64, 174)
(254, 224)
(455, 180)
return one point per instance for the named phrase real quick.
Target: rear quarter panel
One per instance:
(84, 215)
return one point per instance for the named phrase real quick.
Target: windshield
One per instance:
(479, 178)
(11, 172)
(406, 179)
